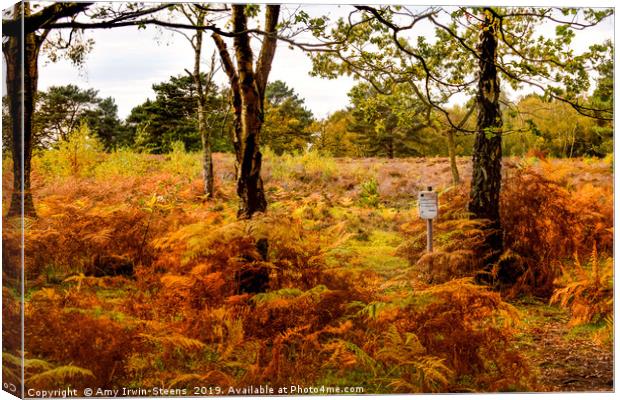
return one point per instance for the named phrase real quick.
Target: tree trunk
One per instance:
(201, 99)
(233, 78)
(487, 154)
(456, 179)
(390, 148)
(248, 93)
(249, 157)
(21, 67)
(207, 157)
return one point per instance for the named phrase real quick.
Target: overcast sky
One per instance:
(126, 62)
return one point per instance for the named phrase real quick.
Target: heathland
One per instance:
(134, 279)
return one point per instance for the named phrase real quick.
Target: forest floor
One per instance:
(568, 359)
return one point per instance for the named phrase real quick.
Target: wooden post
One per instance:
(429, 235)
(429, 230)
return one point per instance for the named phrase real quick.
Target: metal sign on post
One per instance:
(428, 206)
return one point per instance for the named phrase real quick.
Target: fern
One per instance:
(588, 292)
(59, 375)
(175, 341)
(415, 371)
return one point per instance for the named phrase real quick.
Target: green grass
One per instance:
(309, 166)
(585, 331)
(375, 253)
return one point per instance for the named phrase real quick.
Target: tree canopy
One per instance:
(171, 117)
(287, 121)
(389, 123)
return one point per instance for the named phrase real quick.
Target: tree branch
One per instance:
(268, 49)
(42, 19)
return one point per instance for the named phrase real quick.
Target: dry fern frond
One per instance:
(416, 370)
(59, 375)
(175, 341)
(588, 292)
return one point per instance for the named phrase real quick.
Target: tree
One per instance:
(474, 49)
(7, 137)
(556, 128)
(21, 53)
(60, 110)
(463, 115)
(389, 123)
(603, 98)
(248, 83)
(334, 136)
(24, 34)
(169, 118)
(204, 86)
(65, 16)
(107, 126)
(287, 121)
(172, 116)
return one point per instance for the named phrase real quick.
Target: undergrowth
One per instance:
(331, 286)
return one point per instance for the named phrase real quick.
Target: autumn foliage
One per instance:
(347, 294)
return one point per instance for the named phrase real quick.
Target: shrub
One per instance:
(545, 223)
(76, 156)
(369, 193)
(122, 163)
(182, 163)
(456, 244)
(470, 328)
(71, 233)
(587, 290)
(95, 346)
(310, 166)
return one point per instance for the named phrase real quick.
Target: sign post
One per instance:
(428, 206)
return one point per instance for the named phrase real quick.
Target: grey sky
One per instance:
(126, 62)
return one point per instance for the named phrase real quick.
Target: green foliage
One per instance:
(180, 162)
(287, 122)
(171, 117)
(61, 109)
(375, 44)
(309, 166)
(104, 122)
(556, 129)
(335, 137)
(369, 193)
(77, 155)
(389, 125)
(122, 162)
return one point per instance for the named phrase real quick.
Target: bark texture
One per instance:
(21, 81)
(456, 178)
(248, 83)
(487, 152)
(201, 100)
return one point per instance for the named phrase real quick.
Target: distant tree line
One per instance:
(373, 125)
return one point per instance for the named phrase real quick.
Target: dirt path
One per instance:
(566, 362)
